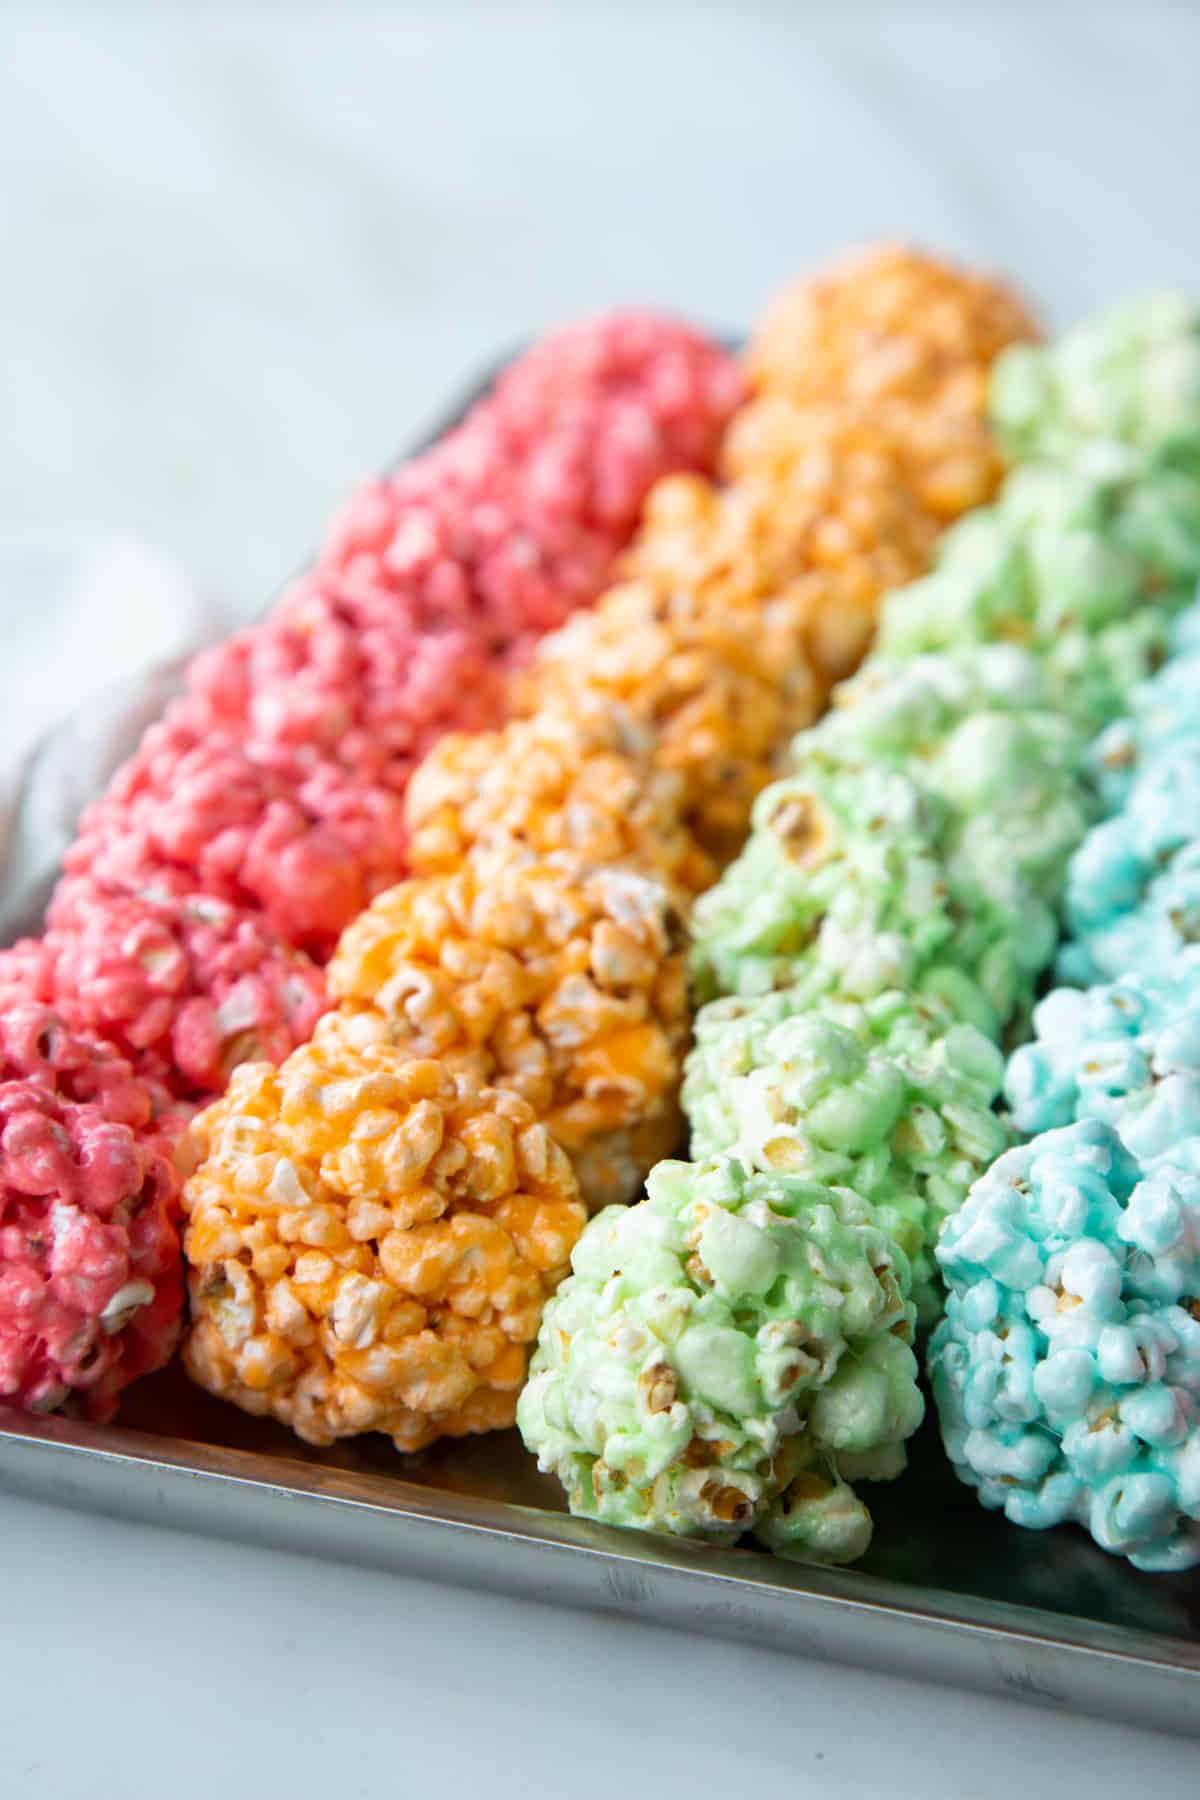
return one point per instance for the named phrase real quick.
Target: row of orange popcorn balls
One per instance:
(374, 1225)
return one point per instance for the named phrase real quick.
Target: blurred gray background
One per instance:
(250, 251)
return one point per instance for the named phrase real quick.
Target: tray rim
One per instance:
(1051, 1660)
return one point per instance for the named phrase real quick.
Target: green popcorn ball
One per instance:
(716, 1353)
(1132, 374)
(1084, 567)
(903, 710)
(840, 889)
(978, 727)
(1067, 1368)
(893, 1099)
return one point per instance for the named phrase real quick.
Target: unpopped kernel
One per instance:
(565, 984)
(370, 1245)
(717, 1351)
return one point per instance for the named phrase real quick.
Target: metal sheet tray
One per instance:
(947, 1592)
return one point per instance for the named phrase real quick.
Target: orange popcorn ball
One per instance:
(904, 342)
(566, 985)
(809, 550)
(579, 783)
(370, 1245)
(720, 687)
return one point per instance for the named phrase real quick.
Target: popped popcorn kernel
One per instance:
(276, 781)
(566, 985)
(370, 1243)
(892, 1098)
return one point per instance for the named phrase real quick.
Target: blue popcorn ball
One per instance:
(1133, 885)
(1185, 632)
(1067, 1368)
(1127, 1052)
(1163, 720)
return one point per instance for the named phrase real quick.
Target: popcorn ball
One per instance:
(513, 520)
(90, 1285)
(811, 546)
(839, 890)
(978, 727)
(567, 985)
(1127, 1052)
(1133, 887)
(716, 1355)
(184, 985)
(277, 781)
(904, 340)
(1082, 565)
(1161, 722)
(892, 1098)
(369, 1244)
(580, 785)
(1131, 375)
(1067, 1368)
(721, 690)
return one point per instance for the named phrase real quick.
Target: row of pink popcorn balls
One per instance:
(207, 887)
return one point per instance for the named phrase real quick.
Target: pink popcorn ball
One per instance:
(277, 780)
(185, 985)
(91, 1290)
(36, 1041)
(656, 394)
(26, 973)
(515, 518)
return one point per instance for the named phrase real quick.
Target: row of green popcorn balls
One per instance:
(735, 1352)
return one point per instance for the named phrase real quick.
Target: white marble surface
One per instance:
(247, 253)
